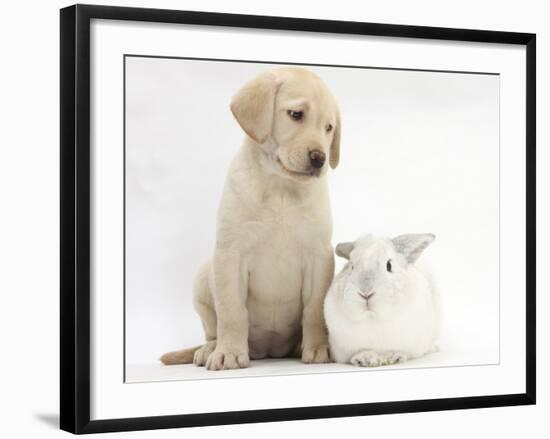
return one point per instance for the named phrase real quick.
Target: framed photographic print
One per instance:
(273, 218)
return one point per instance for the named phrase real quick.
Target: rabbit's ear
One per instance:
(412, 245)
(344, 249)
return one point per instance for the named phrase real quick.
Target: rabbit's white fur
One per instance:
(400, 320)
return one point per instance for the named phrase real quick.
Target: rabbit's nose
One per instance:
(367, 295)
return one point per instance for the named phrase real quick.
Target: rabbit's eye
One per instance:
(388, 265)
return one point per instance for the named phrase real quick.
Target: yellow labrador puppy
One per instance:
(261, 294)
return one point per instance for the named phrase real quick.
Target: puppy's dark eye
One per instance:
(388, 265)
(296, 115)
(329, 128)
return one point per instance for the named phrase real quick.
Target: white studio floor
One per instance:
(154, 372)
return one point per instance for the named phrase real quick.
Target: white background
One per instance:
(419, 153)
(29, 225)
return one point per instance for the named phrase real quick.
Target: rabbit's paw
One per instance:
(371, 358)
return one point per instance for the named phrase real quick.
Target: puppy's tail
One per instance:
(184, 356)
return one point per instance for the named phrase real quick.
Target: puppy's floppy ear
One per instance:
(254, 105)
(335, 145)
(411, 246)
(344, 249)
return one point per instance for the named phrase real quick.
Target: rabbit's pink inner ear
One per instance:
(412, 245)
(344, 249)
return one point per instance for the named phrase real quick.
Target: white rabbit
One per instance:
(382, 308)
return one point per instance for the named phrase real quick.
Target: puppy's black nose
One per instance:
(317, 158)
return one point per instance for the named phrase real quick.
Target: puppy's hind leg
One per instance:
(204, 305)
(202, 300)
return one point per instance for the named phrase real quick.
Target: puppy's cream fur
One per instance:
(261, 294)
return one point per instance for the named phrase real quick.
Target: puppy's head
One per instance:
(294, 119)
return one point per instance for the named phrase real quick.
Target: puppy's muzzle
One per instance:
(317, 158)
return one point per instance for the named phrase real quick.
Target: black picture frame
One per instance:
(75, 217)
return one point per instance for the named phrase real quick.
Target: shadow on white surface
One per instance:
(49, 419)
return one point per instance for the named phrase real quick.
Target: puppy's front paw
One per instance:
(320, 354)
(375, 358)
(221, 360)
